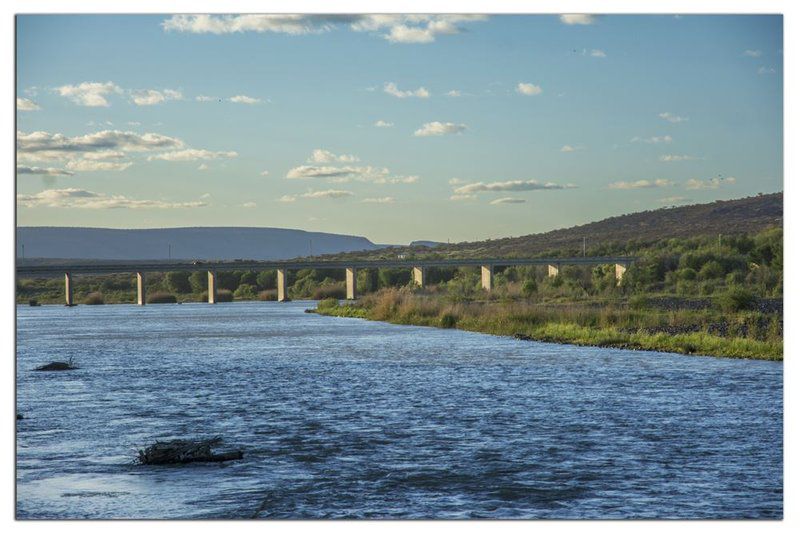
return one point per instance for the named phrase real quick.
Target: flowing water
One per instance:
(345, 418)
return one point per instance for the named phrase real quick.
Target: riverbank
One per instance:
(747, 335)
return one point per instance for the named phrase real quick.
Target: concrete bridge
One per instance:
(418, 269)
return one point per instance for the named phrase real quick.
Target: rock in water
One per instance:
(181, 451)
(56, 365)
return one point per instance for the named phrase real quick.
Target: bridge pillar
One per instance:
(418, 276)
(350, 277)
(140, 290)
(619, 271)
(487, 277)
(552, 271)
(68, 289)
(282, 297)
(212, 287)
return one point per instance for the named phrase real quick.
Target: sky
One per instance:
(398, 128)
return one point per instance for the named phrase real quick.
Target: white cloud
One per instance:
(528, 89)
(752, 53)
(463, 197)
(383, 124)
(324, 156)
(205, 196)
(711, 183)
(383, 200)
(598, 53)
(766, 70)
(244, 99)
(89, 93)
(671, 158)
(41, 145)
(249, 205)
(203, 98)
(134, 123)
(40, 171)
(582, 20)
(669, 117)
(328, 194)
(394, 28)
(393, 180)
(153, 97)
(652, 140)
(83, 199)
(439, 128)
(569, 148)
(455, 93)
(202, 166)
(391, 88)
(455, 181)
(93, 165)
(341, 174)
(191, 154)
(287, 198)
(23, 104)
(264, 173)
(507, 200)
(640, 184)
(512, 185)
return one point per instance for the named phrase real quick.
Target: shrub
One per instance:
(178, 282)
(529, 288)
(269, 295)
(224, 295)
(245, 291)
(735, 299)
(638, 301)
(448, 321)
(161, 298)
(711, 270)
(335, 291)
(328, 303)
(94, 298)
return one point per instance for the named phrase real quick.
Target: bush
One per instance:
(735, 299)
(448, 321)
(336, 291)
(529, 288)
(269, 295)
(178, 282)
(711, 270)
(224, 295)
(328, 303)
(245, 292)
(94, 298)
(162, 298)
(638, 301)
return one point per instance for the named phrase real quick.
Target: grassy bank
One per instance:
(740, 334)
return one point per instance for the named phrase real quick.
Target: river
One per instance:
(345, 418)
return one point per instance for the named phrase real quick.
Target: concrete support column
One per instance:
(140, 290)
(552, 271)
(212, 287)
(619, 271)
(350, 277)
(487, 277)
(418, 276)
(282, 297)
(68, 289)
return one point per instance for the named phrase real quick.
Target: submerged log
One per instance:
(181, 451)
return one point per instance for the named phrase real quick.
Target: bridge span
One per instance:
(418, 268)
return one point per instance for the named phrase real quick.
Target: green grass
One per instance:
(583, 325)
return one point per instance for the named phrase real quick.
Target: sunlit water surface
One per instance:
(344, 418)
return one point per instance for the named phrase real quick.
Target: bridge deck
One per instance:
(122, 267)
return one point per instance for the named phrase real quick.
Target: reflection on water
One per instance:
(348, 418)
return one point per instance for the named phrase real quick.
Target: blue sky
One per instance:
(395, 128)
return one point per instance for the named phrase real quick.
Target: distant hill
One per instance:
(728, 217)
(186, 243)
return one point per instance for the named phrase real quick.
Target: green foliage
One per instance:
(161, 298)
(198, 281)
(245, 292)
(178, 282)
(267, 279)
(448, 321)
(529, 287)
(94, 298)
(735, 299)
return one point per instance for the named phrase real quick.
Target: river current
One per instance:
(345, 418)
